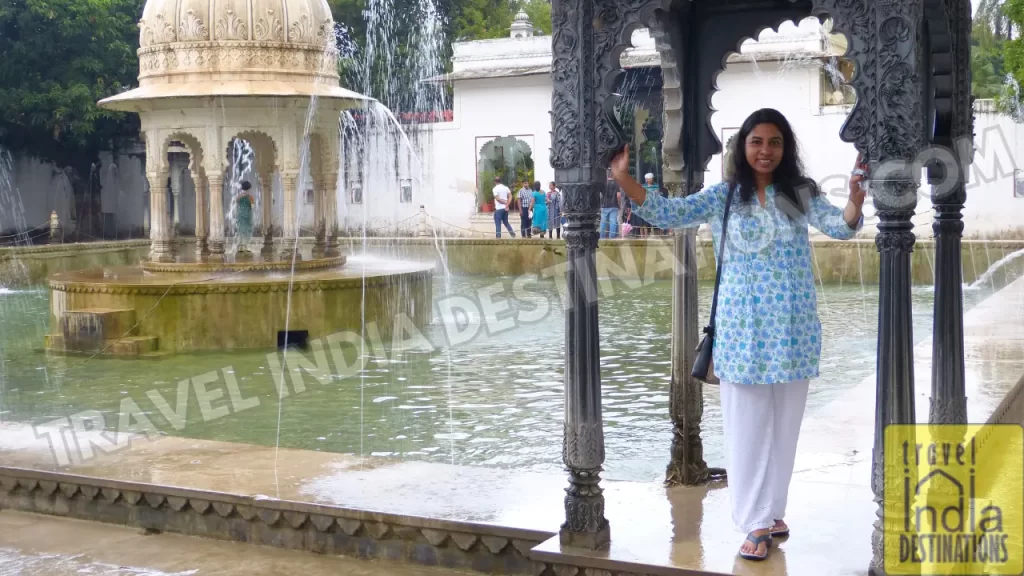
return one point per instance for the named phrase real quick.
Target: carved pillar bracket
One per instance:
(290, 228)
(161, 248)
(216, 200)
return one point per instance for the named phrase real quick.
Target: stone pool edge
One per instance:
(292, 525)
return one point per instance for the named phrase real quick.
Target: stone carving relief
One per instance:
(586, 65)
(158, 32)
(232, 27)
(192, 28)
(565, 71)
(232, 56)
(269, 28)
(304, 30)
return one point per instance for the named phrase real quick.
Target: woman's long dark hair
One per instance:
(791, 185)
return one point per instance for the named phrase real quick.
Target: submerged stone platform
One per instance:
(182, 307)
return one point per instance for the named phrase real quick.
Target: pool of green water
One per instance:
(492, 400)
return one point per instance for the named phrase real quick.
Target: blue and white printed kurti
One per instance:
(767, 329)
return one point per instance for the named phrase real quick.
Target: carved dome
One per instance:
(302, 22)
(200, 48)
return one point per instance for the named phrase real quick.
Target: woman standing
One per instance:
(554, 211)
(540, 210)
(243, 213)
(767, 333)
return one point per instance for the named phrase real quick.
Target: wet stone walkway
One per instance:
(32, 545)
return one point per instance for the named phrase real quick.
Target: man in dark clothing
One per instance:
(611, 199)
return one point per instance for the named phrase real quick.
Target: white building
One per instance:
(502, 88)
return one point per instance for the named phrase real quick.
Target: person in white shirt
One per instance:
(502, 196)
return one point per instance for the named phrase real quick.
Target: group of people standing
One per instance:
(540, 213)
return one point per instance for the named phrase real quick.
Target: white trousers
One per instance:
(762, 426)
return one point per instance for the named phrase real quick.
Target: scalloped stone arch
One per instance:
(191, 143)
(634, 15)
(741, 38)
(652, 13)
(263, 145)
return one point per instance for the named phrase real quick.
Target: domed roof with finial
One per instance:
(522, 27)
(235, 48)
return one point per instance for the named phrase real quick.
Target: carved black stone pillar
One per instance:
(949, 30)
(888, 125)
(588, 38)
(579, 172)
(896, 67)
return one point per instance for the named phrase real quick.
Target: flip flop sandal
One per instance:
(757, 540)
(780, 533)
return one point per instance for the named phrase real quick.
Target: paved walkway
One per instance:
(32, 545)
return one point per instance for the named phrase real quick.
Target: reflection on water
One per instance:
(494, 400)
(27, 564)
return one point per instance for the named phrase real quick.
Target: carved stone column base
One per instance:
(333, 247)
(886, 536)
(586, 540)
(161, 251)
(202, 248)
(687, 466)
(319, 248)
(288, 249)
(585, 525)
(267, 251)
(243, 254)
(216, 250)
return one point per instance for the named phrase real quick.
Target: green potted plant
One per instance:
(486, 192)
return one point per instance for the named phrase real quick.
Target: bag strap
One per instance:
(710, 329)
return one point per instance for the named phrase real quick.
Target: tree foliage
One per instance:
(59, 58)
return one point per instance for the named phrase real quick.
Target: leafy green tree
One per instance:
(482, 19)
(59, 57)
(995, 16)
(986, 81)
(539, 12)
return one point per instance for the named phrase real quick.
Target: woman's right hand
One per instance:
(620, 165)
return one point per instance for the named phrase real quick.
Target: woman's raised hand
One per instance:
(860, 175)
(620, 165)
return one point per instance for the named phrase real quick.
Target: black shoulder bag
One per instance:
(703, 363)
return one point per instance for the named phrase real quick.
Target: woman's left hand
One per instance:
(860, 175)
